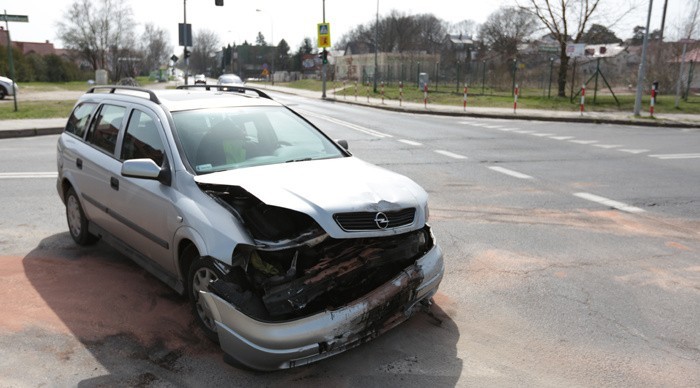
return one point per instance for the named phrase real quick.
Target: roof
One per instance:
(460, 39)
(176, 100)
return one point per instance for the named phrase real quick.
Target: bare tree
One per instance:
(565, 19)
(204, 45)
(155, 47)
(505, 29)
(690, 28)
(99, 33)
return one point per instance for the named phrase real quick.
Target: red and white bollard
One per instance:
(400, 93)
(382, 92)
(425, 95)
(583, 98)
(466, 90)
(515, 98)
(653, 100)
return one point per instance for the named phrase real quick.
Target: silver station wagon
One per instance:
(289, 248)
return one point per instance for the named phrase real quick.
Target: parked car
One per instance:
(229, 79)
(200, 79)
(6, 87)
(289, 248)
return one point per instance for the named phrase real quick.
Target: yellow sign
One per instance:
(324, 35)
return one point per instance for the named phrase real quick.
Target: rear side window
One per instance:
(106, 129)
(142, 139)
(80, 118)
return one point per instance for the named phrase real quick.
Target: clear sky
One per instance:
(238, 20)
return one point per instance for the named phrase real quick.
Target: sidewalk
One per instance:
(40, 127)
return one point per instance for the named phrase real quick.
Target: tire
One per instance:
(3, 93)
(77, 223)
(202, 272)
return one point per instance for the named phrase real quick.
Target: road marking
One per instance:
(512, 173)
(410, 142)
(675, 156)
(542, 134)
(609, 202)
(356, 127)
(524, 132)
(629, 151)
(562, 137)
(583, 141)
(450, 154)
(606, 146)
(27, 175)
(492, 126)
(507, 129)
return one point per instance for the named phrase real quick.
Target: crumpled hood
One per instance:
(324, 187)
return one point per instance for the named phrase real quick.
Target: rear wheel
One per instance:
(77, 223)
(3, 93)
(202, 272)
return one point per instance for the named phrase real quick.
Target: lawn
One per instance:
(35, 109)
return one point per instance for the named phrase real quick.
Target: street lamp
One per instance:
(274, 48)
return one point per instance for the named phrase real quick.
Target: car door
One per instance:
(145, 206)
(98, 165)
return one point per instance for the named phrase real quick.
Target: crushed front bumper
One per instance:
(278, 345)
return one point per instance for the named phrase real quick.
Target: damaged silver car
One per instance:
(289, 248)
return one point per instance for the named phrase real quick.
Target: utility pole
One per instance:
(642, 66)
(376, 48)
(323, 65)
(187, 59)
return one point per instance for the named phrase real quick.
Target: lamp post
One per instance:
(274, 48)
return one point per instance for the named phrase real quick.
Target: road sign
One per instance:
(184, 34)
(14, 18)
(324, 35)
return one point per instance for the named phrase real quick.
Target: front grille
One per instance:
(360, 221)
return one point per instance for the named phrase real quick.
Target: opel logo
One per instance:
(381, 220)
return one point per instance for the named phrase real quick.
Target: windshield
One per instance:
(228, 138)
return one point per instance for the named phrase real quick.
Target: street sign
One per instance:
(14, 18)
(324, 35)
(574, 50)
(184, 34)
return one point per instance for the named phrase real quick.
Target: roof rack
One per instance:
(227, 88)
(112, 88)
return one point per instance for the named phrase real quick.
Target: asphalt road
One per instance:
(571, 254)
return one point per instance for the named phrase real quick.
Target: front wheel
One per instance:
(77, 222)
(203, 272)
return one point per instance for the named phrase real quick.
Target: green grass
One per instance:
(35, 109)
(528, 98)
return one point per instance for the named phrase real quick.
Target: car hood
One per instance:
(325, 187)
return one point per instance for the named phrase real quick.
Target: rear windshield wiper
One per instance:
(298, 160)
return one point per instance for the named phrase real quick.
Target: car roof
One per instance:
(187, 99)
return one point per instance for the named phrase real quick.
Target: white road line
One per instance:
(561, 137)
(493, 126)
(410, 142)
(507, 129)
(583, 141)
(27, 175)
(512, 173)
(542, 134)
(629, 151)
(524, 132)
(606, 146)
(609, 202)
(675, 156)
(450, 154)
(356, 127)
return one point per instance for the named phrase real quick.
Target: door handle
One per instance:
(79, 163)
(114, 182)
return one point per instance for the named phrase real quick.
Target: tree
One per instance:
(563, 18)
(690, 27)
(155, 47)
(598, 34)
(99, 33)
(282, 55)
(204, 44)
(505, 29)
(260, 39)
(306, 47)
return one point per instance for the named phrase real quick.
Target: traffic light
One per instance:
(324, 57)
(219, 3)
(187, 53)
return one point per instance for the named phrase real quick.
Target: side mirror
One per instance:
(344, 144)
(146, 169)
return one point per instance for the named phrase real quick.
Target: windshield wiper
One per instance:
(298, 160)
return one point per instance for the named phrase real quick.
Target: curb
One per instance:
(13, 133)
